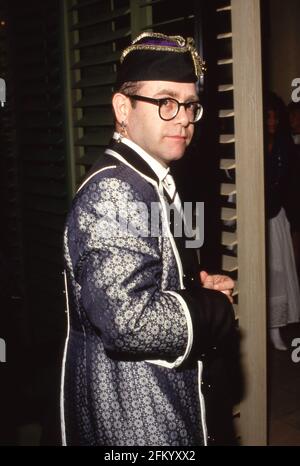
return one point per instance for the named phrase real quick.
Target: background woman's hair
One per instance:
(275, 103)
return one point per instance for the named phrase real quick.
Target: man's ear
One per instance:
(121, 107)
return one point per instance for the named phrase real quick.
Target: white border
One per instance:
(62, 412)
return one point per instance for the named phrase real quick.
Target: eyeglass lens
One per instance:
(169, 108)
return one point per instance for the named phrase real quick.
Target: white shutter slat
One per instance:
(229, 263)
(225, 61)
(228, 214)
(225, 87)
(229, 239)
(226, 113)
(224, 8)
(236, 288)
(228, 189)
(225, 35)
(227, 138)
(236, 310)
(227, 164)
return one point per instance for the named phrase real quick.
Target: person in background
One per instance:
(294, 122)
(281, 211)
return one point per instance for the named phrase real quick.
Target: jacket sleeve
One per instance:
(213, 323)
(118, 266)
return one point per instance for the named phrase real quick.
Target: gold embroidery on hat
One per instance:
(199, 64)
(185, 45)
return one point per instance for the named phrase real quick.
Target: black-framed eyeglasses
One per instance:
(168, 107)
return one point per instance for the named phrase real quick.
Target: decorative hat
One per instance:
(158, 57)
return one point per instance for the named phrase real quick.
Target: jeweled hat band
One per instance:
(157, 57)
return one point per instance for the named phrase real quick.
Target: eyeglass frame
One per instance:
(159, 103)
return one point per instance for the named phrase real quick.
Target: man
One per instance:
(142, 327)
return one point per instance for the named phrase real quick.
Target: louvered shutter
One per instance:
(226, 148)
(242, 214)
(11, 240)
(36, 64)
(97, 31)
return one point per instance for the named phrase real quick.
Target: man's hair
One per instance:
(131, 88)
(275, 103)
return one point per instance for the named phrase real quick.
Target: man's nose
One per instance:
(182, 116)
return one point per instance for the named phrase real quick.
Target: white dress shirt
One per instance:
(166, 180)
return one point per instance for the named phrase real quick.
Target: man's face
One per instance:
(163, 140)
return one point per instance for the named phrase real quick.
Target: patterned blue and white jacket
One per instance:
(140, 328)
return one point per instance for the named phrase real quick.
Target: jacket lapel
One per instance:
(133, 159)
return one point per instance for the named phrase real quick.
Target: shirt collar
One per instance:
(160, 171)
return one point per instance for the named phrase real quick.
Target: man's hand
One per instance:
(221, 283)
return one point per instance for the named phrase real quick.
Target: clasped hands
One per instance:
(221, 283)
